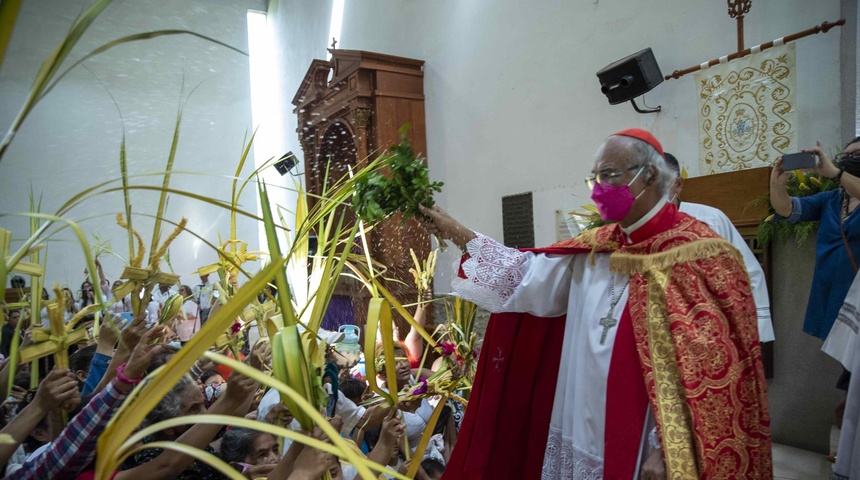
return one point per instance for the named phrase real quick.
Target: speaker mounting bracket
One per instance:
(649, 110)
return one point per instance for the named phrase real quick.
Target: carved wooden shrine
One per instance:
(350, 108)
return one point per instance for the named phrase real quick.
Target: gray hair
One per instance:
(237, 443)
(170, 405)
(649, 155)
(644, 154)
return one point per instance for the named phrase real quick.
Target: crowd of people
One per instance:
(101, 374)
(658, 296)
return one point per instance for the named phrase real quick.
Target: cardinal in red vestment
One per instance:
(631, 351)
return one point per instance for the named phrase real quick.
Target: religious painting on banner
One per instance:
(747, 111)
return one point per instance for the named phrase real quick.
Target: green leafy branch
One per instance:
(402, 189)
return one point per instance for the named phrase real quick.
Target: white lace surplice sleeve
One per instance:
(503, 279)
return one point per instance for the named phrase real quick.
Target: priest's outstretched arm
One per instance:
(504, 279)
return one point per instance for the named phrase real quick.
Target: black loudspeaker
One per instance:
(626, 79)
(286, 163)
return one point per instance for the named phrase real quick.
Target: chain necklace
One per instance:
(609, 320)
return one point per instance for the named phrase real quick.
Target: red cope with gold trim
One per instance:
(690, 297)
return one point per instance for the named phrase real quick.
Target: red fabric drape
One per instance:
(506, 425)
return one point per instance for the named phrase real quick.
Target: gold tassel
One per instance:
(697, 250)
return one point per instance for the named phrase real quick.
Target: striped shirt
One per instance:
(75, 448)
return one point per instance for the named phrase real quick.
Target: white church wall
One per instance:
(512, 100)
(513, 106)
(71, 140)
(299, 31)
(513, 103)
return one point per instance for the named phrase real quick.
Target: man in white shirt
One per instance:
(162, 293)
(720, 223)
(203, 297)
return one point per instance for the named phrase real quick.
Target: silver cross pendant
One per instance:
(607, 322)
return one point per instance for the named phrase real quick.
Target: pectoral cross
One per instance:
(607, 322)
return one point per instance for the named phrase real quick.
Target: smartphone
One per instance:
(799, 160)
(125, 319)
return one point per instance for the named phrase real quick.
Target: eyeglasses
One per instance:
(841, 157)
(610, 178)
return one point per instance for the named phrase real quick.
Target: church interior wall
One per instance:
(71, 141)
(512, 106)
(513, 103)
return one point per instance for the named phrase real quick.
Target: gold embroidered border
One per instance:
(689, 252)
(674, 417)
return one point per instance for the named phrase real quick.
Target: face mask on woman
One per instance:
(851, 164)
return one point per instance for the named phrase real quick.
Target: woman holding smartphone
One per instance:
(837, 247)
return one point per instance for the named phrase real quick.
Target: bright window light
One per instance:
(262, 76)
(260, 60)
(336, 21)
(263, 94)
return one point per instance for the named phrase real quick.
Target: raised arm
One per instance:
(170, 464)
(75, 448)
(58, 388)
(104, 353)
(130, 338)
(413, 342)
(827, 168)
(446, 227)
(503, 279)
(778, 196)
(390, 438)
(103, 283)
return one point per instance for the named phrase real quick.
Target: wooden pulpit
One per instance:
(350, 108)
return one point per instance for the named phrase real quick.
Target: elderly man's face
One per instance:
(617, 164)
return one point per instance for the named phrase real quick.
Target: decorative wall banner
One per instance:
(747, 111)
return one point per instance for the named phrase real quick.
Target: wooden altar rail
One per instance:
(823, 28)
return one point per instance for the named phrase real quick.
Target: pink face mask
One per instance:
(614, 203)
